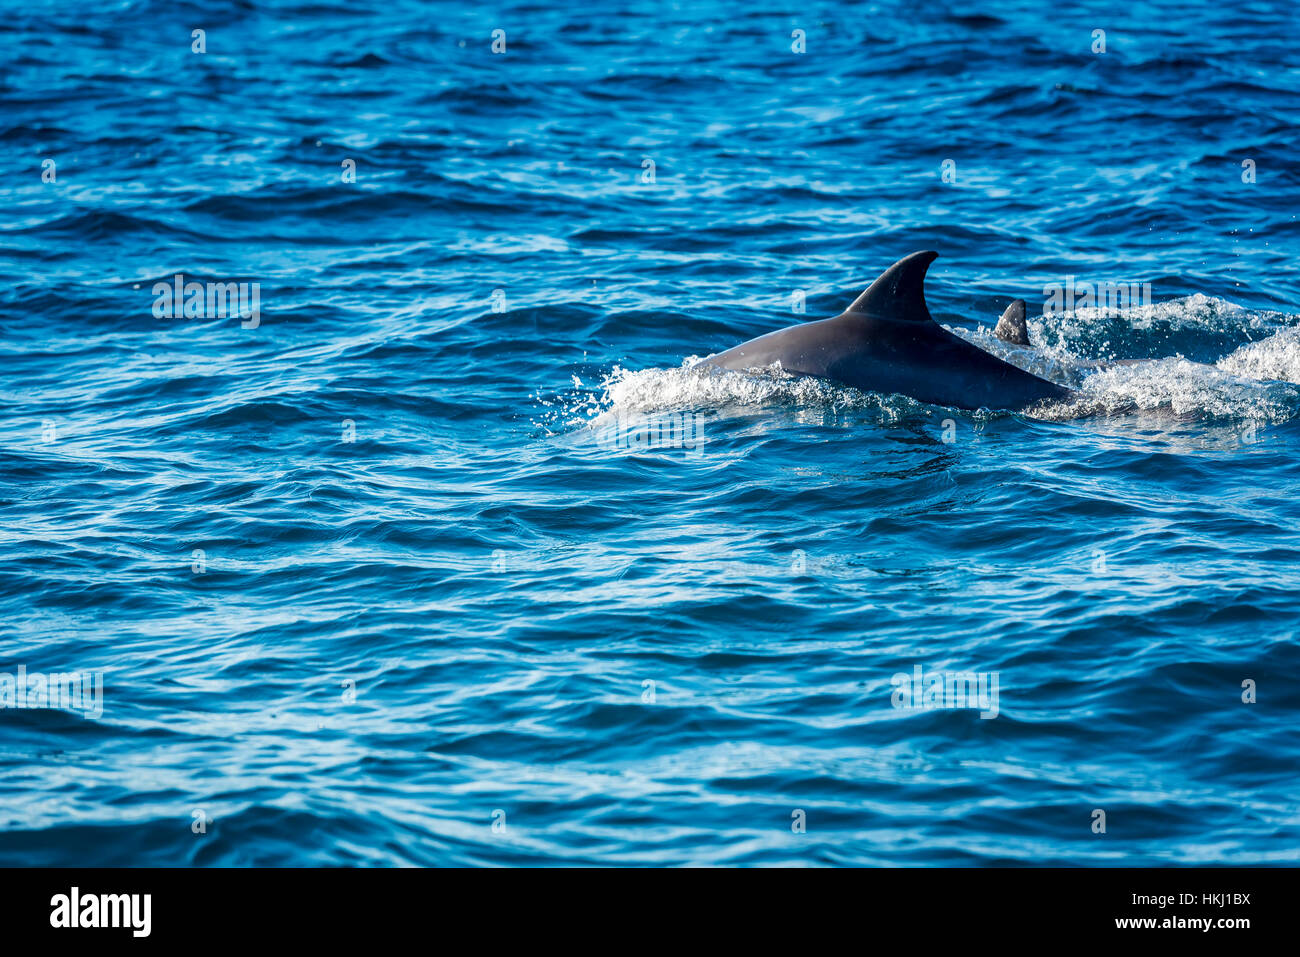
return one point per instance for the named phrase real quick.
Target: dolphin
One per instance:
(1012, 327)
(887, 342)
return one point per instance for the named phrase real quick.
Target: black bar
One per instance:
(940, 907)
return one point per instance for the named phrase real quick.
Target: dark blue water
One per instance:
(400, 567)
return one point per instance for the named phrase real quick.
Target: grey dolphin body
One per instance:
(887, 342)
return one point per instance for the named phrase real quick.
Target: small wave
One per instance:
(1199, 326)
(724, 393)
(698, 386)
(1190, 389)
(1277, 357)
(104, 226)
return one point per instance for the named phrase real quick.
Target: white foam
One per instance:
(1186, 388)
(1277, 357)
(1189, 312)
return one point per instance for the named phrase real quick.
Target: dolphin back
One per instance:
(887, 342)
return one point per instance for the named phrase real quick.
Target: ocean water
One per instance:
(440, 552)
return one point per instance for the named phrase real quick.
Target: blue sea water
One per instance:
(399, 569)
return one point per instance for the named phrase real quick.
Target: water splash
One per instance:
(1277, 357)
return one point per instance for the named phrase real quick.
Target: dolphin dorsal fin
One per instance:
(899, 291)
(1011, 327)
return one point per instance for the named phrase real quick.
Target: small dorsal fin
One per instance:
(1011, 327)
(899, 291)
